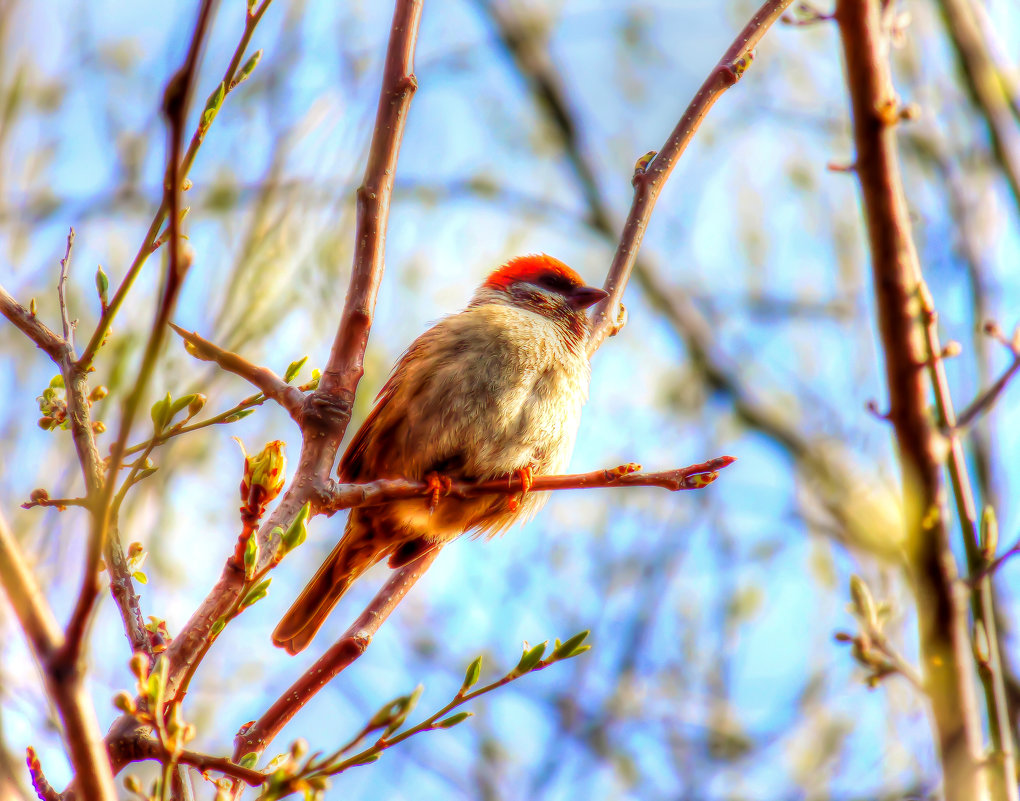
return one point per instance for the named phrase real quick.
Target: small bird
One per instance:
(495, 390)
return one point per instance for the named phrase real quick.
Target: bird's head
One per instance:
(543, 285)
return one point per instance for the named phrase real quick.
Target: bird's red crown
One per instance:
(532, 268)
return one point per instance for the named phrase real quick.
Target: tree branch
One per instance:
(351, 645)
(650, 179)
(696, 476)
(32, 327)
(272, 386)
(175, 106)
(942, 614)
(81, 729)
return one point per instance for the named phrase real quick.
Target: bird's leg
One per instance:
(527, 477)
(439, 485)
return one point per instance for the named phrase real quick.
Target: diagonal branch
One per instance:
(650, 179)
(32, 327)
(272, 386)
(81, 729)
(351, 645)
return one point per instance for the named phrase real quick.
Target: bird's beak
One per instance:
(585, 296)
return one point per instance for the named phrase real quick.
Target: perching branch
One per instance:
(695, 476)
(942, 615)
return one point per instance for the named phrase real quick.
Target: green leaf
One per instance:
(57, 382)
(102, 286)
(571, 647)
(249, 760)
(218, 626)
(471, 676)
(453, 720)
(238, 415)
(298, 529)
(256, 593)
(294, 367)
(366, 760)
(530, 658)
(247, 69)
(212, 105)
(403, 708)
(251, 555)
(160, 412)
(140, 577)
(179, 404)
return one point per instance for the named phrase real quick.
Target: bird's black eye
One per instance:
(555, 282)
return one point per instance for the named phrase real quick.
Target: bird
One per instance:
(491, 391)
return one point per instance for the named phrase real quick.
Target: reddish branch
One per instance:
(344, 651)
(272, 386)
(695, 476)
(942, 615)
(650, 180)
(346, 359)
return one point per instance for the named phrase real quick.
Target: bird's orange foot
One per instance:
(527, 477)
(438, 486)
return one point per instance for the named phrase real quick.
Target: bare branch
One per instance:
(942, 613)
(272, 386)
(649, 179)
(345, 366)
(65, 316)
(32, 327)
(151, 236)
(149, 748)
(176, 98)
(987, 399)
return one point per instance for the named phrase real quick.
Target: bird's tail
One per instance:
(351, 557)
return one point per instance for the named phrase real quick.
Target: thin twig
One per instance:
(986, 399)
(942, 614)
(65, 315)
(146, 248)
(272, 386)
(150, 748)
(177, 430)
(983, 601)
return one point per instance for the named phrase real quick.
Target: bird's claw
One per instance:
(438, 486)
(527, 477)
